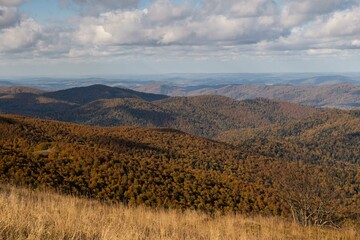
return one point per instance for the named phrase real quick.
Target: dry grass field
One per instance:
(39, 215)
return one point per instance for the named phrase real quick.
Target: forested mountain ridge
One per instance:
(83, 95)
(272, 128)
(168, 168)
(206, 116)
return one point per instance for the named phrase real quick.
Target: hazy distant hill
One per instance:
(186, 80)
(344, 95)
(321, 80)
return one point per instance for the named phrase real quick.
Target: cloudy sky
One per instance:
(93, 37)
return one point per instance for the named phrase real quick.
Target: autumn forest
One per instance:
(258, 157)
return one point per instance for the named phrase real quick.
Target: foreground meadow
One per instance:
(41, 215)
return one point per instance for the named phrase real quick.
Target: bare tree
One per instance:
(309, 193)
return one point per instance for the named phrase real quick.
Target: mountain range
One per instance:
(101, 105)
(341, 95)
(210, 153)
(298, 131)
(184, 80)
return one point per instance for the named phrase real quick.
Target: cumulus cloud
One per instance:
(116, 28)
(24, 35)
(167, 23)
(340, 24)
(109, 27)
(339, 30)
(17, 32)
(295, 13)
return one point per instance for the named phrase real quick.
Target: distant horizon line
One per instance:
(81, 76)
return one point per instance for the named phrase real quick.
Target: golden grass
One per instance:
(26, 214)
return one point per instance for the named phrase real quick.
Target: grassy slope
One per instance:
(40, 215)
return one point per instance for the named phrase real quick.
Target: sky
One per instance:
(93, 37)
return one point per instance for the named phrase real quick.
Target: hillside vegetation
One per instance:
(42, 215)
(331, 137)
(170, 169)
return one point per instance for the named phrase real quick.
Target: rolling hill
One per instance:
(204, 115)
(170, 169)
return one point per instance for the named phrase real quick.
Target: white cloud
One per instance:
(119, 27)
(179, 24)
(18, 33)
(341, 23)
(332, 31)
(20, 37)
(111, 28)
